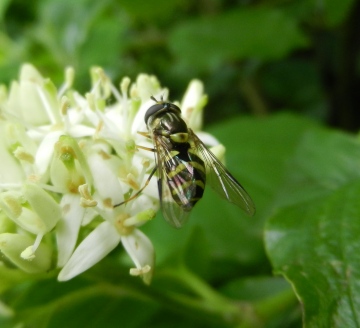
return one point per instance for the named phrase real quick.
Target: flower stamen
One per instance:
(86, 199)
(132, 182)
(29, 252)
(120, 225)
(140, 271)
(23, 155)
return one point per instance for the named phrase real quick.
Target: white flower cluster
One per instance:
(67, 159)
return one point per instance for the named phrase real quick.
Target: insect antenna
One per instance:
(158, 101)
(153, 98)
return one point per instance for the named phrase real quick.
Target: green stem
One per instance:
(253, 97)
(243, 314)
(196, 284)
(37, 316)
(275, 305)
(206, 306)
(209, 303)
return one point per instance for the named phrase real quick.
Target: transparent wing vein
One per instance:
(172, 212)
(221, 180)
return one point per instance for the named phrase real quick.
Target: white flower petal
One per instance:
(31, 104)
(30, 73)
(68, 228)
(10, 170)
(27, 219)
(44, 205)
(219, 152)
(141, 251)
(78, 131)
(106, 182)
(208, 139)
(193, 103)
(100, 242)
(152, 189)
(15, 133)
(139, 123)
(89, 215)
(45, 151)
(147, 86)
(191, 97)
(113, 121)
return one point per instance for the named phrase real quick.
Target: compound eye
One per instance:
(152, 110)
(174, 107)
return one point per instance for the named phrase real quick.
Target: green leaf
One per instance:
(323, 162)
(255, 288)
(296, 83)
(150, 10)
(261, 33)
(314, 240)
(196, 253)
(256, 154)
(111, 36)
(79, 303)
(10, 277)
(3, 7)
(97, 311)
(273, 297)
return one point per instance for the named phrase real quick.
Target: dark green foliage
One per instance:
(253, 57)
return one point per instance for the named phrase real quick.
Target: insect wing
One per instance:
(220, 179)
(172, 212)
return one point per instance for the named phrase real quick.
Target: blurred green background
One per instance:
(255, 57)
(273, 70)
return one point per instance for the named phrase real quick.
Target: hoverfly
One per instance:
(184, 165)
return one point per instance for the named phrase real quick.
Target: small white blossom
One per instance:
(67, 159)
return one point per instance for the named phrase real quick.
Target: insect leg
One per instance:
(144, 134)
(146, 148)
(139, 192)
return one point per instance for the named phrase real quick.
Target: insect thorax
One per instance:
(171, 125)
(184, 171)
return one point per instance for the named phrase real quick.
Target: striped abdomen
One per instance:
(185, 176)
